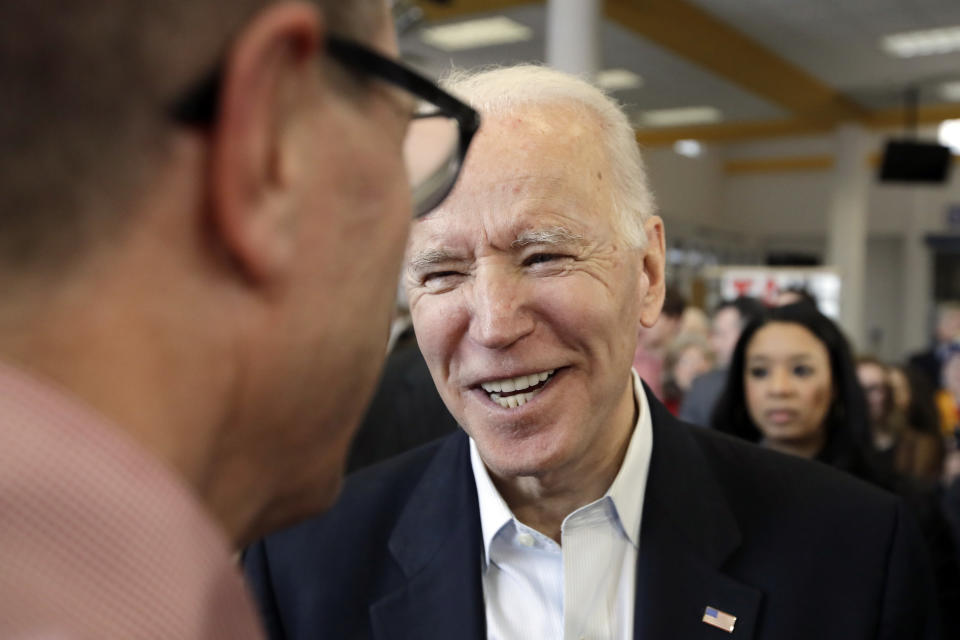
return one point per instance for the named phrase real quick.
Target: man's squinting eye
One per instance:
(440, 279)
(540, 258)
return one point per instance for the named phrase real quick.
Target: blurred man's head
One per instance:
(688, 356)
(729, 319)
(216, 201)
(950, 370)
(795, 295)
(948, 322)
(657, 337)
(874, 378)
(529, 284)
(89, 87)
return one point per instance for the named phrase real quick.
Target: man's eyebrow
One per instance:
(430, 257)
(549, 236)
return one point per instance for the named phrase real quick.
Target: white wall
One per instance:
(787, 211)
(687, 189)
(777, 204)
(883, 311)
(795, 202)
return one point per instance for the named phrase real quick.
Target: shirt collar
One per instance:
(630, 485)
(494, 512)
(627, 490)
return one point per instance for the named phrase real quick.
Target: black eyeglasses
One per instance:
(437, 138)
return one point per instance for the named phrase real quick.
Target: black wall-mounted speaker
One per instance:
(913, 161)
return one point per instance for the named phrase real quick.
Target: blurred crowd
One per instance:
(786, 378)
(909, 411)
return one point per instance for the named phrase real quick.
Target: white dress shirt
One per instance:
(534, 588)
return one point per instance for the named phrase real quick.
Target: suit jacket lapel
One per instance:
(437, 545)
(686, 534)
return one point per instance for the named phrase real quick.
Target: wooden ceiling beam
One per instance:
(785, 164)
(693, 34)
(731, 131)
(926, 114)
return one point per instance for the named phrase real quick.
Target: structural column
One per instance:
(917, 275)
(847, 226)
(573, 36)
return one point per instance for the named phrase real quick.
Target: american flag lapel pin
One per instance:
(719, 619)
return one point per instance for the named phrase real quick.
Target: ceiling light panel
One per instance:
(922, 43)
(679, 117)
(950, 91)
(948, 135)
(474, 34)
(688, 148)
(618, 80)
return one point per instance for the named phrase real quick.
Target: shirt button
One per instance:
(525, 539)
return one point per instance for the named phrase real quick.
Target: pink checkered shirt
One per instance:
(97, 538)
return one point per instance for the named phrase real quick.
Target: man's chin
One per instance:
(524, 461)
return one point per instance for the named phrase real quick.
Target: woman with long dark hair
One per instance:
(792, 386)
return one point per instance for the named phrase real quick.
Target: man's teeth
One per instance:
(516, 384)
(511, 402)
(495, 387)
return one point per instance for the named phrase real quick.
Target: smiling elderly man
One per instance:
(574, 505)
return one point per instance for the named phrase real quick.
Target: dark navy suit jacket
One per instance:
(792, 548)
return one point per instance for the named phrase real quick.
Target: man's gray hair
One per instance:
(503, 89)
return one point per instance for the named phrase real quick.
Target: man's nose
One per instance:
(500, 314)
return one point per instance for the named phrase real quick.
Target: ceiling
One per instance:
(838, 41)
(771, 67)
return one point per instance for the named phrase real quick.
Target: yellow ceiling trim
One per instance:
(927, 114)
(731, 131)
(778, 165)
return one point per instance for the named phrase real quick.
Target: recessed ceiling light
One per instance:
(680, 116)
(950, 91)
(618, 80)
(473, 34)
(922, 43)
(949, 135)
(688, 148)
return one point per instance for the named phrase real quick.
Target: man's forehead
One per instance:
(520, 186)
(443, 247)
(528, 128)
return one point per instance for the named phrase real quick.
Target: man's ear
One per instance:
(253, 157)
(654, 276)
